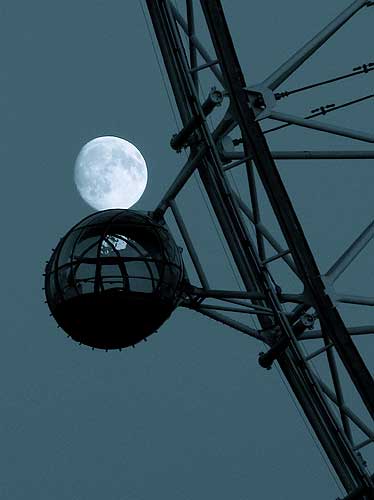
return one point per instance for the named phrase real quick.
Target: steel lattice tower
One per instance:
(285, 320)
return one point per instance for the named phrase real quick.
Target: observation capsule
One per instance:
(114, 279)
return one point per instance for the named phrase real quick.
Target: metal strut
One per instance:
(255, 143)
(205, 157)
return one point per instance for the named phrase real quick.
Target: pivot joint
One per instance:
(182, 138)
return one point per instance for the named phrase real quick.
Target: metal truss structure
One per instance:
(285, 320)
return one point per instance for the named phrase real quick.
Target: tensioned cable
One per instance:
(323, 110)
(158, 62)
(359, 70)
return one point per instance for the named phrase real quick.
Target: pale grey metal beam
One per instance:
(354, 299)
(295, 61)
(361, 445)
(297, 298)
(322, 126)
(304, 155)
(351, 253)
(227, 294)
(248, 305)
(243, 310)
(353, 330)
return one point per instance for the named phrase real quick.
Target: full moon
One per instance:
(110, 172)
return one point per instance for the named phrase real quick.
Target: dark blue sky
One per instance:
(190, 414)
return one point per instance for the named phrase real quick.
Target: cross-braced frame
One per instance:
(285, 320)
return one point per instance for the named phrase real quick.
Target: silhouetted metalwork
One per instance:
(114, 279)
(118, 275)
(211, 151)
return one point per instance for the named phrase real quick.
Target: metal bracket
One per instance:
(266, 359)
(262, 99)
(181, 139)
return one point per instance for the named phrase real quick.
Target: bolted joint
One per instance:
(266, 359)
(182, 138)
(306, 322)
(214, 99)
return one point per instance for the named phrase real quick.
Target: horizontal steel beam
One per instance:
(352, 330)
(322, 126)
(304, 155)
(243, 310)
(227, 294)
(354, 299)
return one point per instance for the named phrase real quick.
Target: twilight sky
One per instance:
(188, 415)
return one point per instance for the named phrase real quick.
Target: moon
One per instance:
(110, 172)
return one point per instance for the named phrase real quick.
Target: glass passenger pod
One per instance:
(118, 271)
